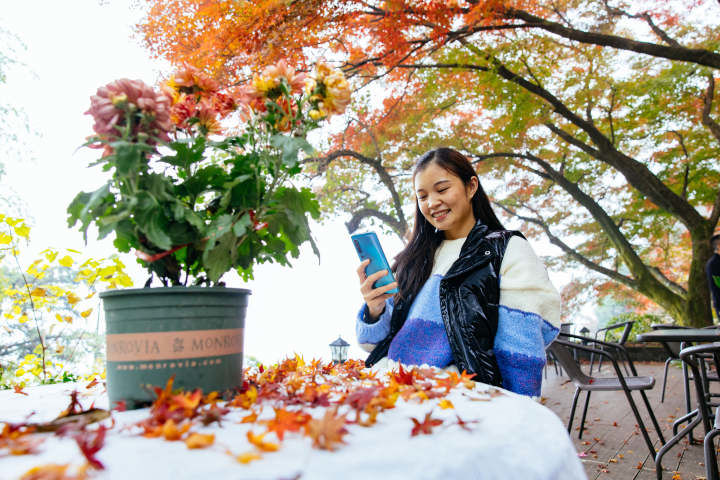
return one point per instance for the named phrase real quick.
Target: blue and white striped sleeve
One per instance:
(528, 318)
(369, 334)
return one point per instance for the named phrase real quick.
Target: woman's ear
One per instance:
(472, 187)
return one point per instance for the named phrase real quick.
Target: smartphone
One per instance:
(368, 246)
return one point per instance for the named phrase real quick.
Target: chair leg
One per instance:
(667, 364)
(600, 364)
(652, 416)
(711, 463)
(641, 424)
(592, 362)
(686, 379)
(582, 422)
(572, 409)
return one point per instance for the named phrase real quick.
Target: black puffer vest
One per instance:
(469, 297)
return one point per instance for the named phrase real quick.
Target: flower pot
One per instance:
(193, 333)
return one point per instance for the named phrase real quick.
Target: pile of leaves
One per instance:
(275, 402)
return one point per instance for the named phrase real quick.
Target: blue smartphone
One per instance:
(368, 246)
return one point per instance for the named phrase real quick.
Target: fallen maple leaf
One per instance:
(258, 441)
(286, 421)
(425, 427)
(53, 471)
(90, 444)
(18, 389)
(464, 423)
(171, 432)
(250, 418)
(327, 432)
(92, 384)
(213, 414)
(445, 404)
(360, 397)
(247, 457)
(402, 376)
(199, 440)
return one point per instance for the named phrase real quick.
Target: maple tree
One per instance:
(594, 122)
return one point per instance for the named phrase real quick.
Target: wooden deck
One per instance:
(612, 445)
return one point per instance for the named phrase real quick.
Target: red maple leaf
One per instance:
(464, 423)
(425, 427)
(90, 442)
(360, 397)
(403, 377)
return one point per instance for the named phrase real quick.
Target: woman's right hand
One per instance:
(374, 297)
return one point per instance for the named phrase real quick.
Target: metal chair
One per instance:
(696, 359)
(562, 349)
(606, 331)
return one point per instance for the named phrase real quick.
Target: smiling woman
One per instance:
(453, 310)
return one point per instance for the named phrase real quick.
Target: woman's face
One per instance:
(444, 200)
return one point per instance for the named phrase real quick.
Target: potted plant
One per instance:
(200, 183)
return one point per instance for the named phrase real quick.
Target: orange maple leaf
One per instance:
(19, 389)
(258, 441)
(250, 418)
(171, 432)
(248, 457)
(327, 432)
(286, 421)
(200, 440)
(425, 427)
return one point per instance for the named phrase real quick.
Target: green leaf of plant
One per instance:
(290, 148)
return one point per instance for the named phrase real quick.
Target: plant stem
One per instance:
(32, 306)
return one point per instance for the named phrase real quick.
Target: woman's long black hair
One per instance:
(414, 264)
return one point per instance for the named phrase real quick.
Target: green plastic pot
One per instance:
(192, 333)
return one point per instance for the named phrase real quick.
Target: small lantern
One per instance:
(584, 331)
(339, 350)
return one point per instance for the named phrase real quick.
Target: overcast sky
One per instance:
(72, 49)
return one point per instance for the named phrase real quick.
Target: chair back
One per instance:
(564, 356)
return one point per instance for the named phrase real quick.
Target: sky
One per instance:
(70, 52)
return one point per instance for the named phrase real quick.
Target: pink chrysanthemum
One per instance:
(130, 103)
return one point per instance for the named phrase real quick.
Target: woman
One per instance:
(471, 294)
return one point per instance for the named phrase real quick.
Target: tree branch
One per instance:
(569, 251)
(671, 52)
(360, 215)
(400, 223)
(652, 283)
(707, 120)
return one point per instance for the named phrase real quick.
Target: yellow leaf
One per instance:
(86, 313)
(445, 404)
(58, 317)
(24, 318)
(50, 255)
(38, 292)
(66, 261)
(5, 239)
(72, 298)
(23, 231)
(199, 440)
(247, 457)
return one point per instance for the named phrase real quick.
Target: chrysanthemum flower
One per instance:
(130, 104)
(192, 80)
(267, 84)
(329, 92)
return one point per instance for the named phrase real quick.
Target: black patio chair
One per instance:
(562, 349)
(697, 359)
(606, 332)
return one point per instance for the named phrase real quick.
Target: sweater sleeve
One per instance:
(369, 334)
(528, 318)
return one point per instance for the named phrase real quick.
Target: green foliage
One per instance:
(197, 207)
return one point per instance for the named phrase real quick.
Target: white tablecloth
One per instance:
(515, 437)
